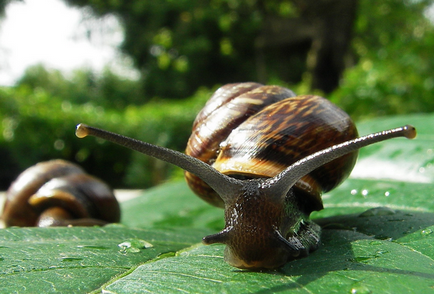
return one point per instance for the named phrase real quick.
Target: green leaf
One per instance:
(171, 205)
(377, 237)
(347, 262)
(77, 259)
(381, 250)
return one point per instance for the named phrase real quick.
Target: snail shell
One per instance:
(249, 130)
(56, 193)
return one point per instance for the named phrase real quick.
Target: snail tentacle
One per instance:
(222, 184)
(280, 184)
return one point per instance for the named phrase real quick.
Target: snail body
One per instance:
(59, 193)
(266, 156)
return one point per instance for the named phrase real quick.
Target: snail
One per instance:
(265, 155)
(59, 193)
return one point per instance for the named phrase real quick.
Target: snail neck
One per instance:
(263, 233)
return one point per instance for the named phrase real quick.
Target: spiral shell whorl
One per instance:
(46, 193)
(257, 131)
(27, 184)
(300, 126)
(225, 110)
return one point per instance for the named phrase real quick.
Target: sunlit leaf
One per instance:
(378, 231)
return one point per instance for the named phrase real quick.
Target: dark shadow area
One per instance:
(336, 254)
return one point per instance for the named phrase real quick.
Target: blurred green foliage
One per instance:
(190, 43)
(394, 72)
(105, 90)
(390, 71)
(177, 42)
(39, 115)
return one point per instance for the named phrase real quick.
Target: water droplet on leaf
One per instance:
(134, 245)
(361, 289)
(426, 232)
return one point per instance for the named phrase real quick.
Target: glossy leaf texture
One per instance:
(378, 231)
(79, 260)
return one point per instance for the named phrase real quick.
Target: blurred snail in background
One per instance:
(266, 156)
(59, 193)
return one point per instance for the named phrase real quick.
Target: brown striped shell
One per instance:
(248, 130)
(58, 192)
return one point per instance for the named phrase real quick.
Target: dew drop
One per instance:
(133, 246)
(387, 193)
(125, 244)
(426, 232)
(360, 289)
(353, 192)
(365, 192)
(127, 247)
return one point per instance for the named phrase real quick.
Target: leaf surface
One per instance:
(377, 237)
(78, 260)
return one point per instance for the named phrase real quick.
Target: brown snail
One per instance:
(266, 156)
(59, 193)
